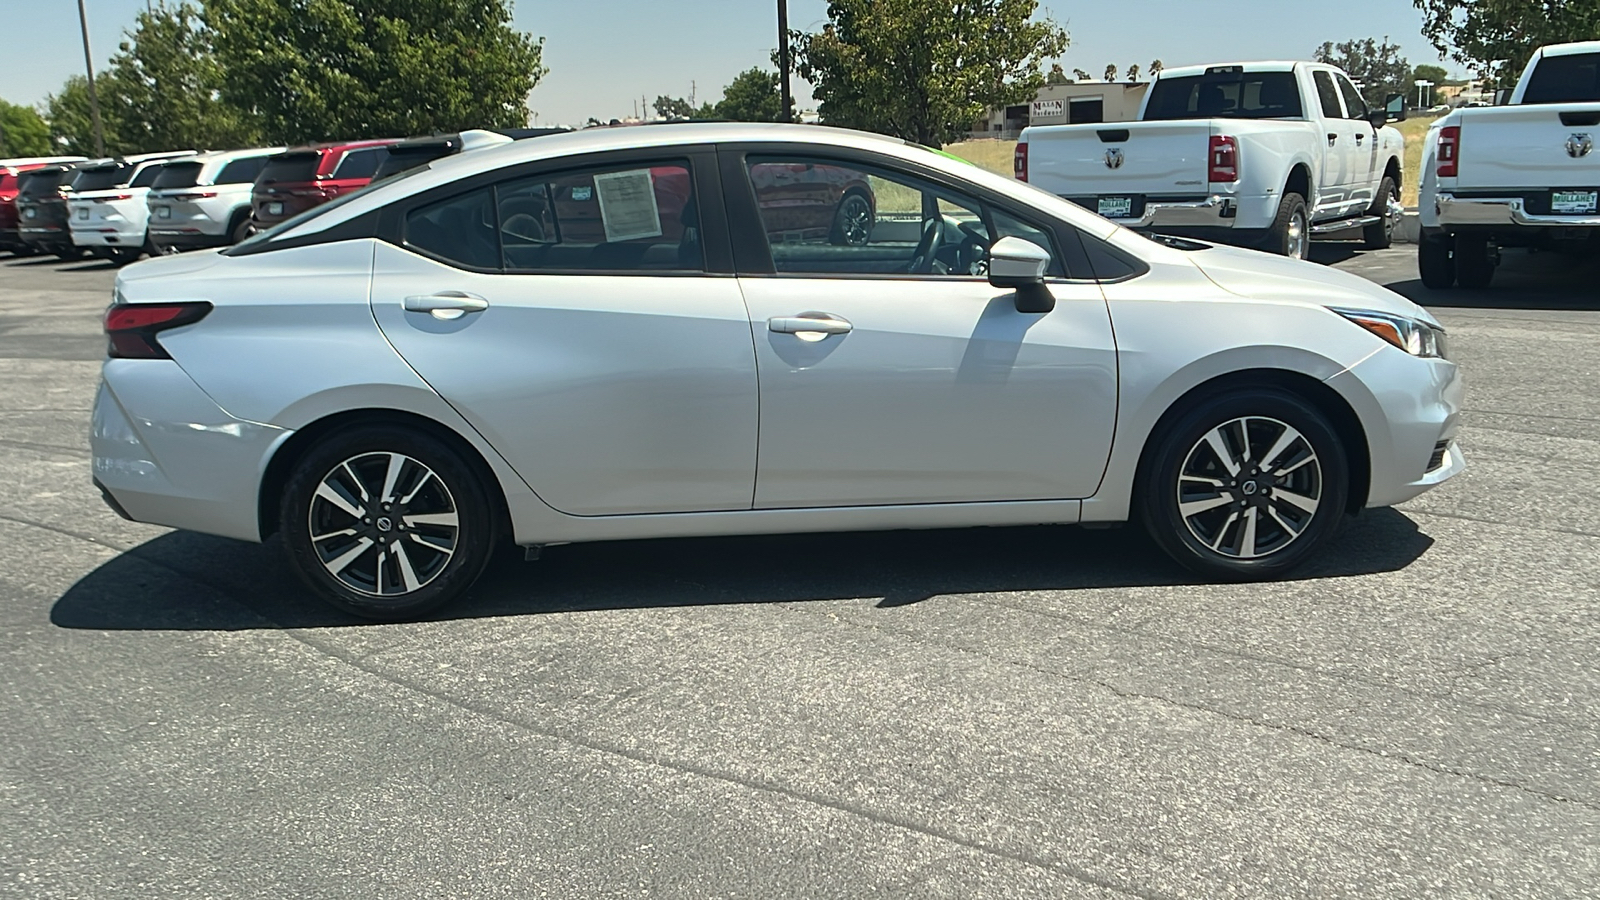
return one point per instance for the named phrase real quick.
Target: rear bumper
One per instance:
(115, 239)
(1213, 211)
(187, 240)
(164, 453)
(1456, 211)
(49, 238)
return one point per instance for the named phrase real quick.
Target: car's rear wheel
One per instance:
(852, 221)
(123, 255)
(70, 253)
(386, 522)
(1380, 234)
(1474, 261)
(1290, 234)
(1434, 264)
(1245, 485)
(240, 230)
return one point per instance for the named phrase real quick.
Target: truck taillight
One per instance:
(1449, 150)
(1224, 160)
(1019, 162)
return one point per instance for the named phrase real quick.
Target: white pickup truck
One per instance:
(1264, 154)
(1523, 175)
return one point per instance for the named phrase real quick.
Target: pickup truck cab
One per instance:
(1265, 154)
(1521, 175)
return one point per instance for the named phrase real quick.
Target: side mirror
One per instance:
(1394, 107)
(1020, 265)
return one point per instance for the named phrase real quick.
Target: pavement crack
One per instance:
(1411, 510)
(46, 448)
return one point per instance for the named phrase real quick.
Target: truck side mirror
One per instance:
(1020, 265)
(1394, 107)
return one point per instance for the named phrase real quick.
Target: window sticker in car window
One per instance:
(582, 194)
(628, 205)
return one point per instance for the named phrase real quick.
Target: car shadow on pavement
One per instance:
(190, 582)
(1524, 280)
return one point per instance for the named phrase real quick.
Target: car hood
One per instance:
(1265, 276)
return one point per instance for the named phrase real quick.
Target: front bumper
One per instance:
(1500, 211)
(1410, 409)
(166, 454)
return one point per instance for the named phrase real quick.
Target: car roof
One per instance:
(227, 156)
(1571, 49)
(1262, 65)
(336, 146)
(596, 140)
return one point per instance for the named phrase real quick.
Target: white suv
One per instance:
(106, 209)
(204, 201)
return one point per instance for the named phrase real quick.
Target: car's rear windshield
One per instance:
(1230, 94)
(178, 175)
(402, 158)
(100, 178)
(290, 167)
(42, 183)
(1565, 79)
(146, 177)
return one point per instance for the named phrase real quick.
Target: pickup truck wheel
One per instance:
(1380, 234)
(1474, 265)
(1434, 264)
(1290, 234)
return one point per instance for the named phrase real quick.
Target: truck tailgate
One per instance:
(1166, 157)
(1530, 147)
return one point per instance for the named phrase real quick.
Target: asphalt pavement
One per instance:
(1034, 712)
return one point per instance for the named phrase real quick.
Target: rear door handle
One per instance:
(1359, 136)
(809, 323)
(1333, 139)
(446, 304)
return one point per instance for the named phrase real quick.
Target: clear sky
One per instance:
(604, 54)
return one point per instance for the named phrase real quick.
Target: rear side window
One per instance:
(242, 171)
(101, 178)
(1327, 95)
(1231, 94)
(361, 163)
(459, 230)
(146, 176)
(178, 175)
(1565, 79)
(42, 183)
(286, 167)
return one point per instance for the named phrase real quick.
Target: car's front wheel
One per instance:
(386, 522)
(852, 221)
(1245, 485)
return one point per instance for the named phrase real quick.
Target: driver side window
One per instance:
(845, 219)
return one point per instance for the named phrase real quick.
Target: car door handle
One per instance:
(809, 323)
(1359, 136)
(1333, 139)
(446, 304)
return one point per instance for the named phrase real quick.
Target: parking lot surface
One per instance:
(1039, 712)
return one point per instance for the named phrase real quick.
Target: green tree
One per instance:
(1155, 68)
(22, 131)
(324, 69)
(168, 85)
(673, 107)
(925, 70)
(1377, 67)
(1435, 74)
(752, 96)
(72, 122)
(1496, 38)
(1081, 75)
(1057, 75)
(1111, 72)
(1133, 73)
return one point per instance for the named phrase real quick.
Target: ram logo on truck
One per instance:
(1579, 145)
(1114, 158)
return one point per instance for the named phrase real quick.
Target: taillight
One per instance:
(1019, 162)
(1224, 160)
(115, 197)
(1449, 151)
(132, 329)
(205, 195)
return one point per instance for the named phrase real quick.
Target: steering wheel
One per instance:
(972, 257)
(932, 232)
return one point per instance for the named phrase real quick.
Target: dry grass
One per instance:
(996, 155)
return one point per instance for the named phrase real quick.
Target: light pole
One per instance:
(784, 98)
(1420, 85)
(94, 101)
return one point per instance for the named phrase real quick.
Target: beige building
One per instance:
(1067, 104)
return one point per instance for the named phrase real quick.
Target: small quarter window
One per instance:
(361, 163)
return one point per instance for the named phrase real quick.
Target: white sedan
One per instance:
(705, 329)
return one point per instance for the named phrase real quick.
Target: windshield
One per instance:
(178, 175)
(1225, 95)
(291, 167)
(42, 183)
(1565, 79)
(272, 234)
(100, 178)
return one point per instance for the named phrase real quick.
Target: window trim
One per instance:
(1343, 81)
(717, 258)
(753, 256)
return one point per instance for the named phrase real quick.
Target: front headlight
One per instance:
(1414, 337)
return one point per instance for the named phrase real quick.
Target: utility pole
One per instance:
(785, 101)
(94, 101)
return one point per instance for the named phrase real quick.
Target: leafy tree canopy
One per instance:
(22, 132)
(1496, 38)
(925, 70)
(72, 122)
(167, 84)
(325, 69)
(1377, 67)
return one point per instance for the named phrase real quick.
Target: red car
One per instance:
(298, 179)
(10, 219)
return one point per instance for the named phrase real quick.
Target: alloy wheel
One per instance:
(1296, 245)
(383, 524)
(1249, 487)
(855, 220)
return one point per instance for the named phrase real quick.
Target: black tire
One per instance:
(1281, 236)
(240, 229)
(1380, 234)
(70, 253)
(852, 220)
(1183, 447)
(1434, 262)
(1474, 266)
(124, 255)
(359, 456)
